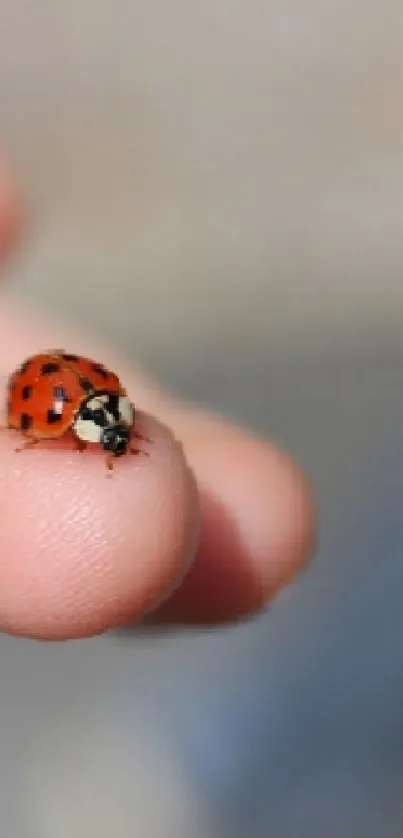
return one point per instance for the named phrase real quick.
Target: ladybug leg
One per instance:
(137, 451)
(80, 445)
(137, 435)
(110, 462)
(29, 443)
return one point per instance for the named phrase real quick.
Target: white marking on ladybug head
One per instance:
(125, 408)
(102, 411)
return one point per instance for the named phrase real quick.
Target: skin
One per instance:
(205, 530)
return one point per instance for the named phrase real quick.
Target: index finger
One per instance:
(82, 554)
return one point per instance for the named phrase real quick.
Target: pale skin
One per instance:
(206, 529)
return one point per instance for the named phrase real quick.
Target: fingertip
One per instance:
(83, 554)
(289, 532)
(258, 528)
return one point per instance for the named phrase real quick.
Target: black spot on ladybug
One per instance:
(23, 368)
(60, 395)
(99, 417)
(86, 414)
(67, 357)
(96, 415)
(25, 421)
(112, 405)
(53, 417)
(100, 370)
(26, 392)
(49, 368)
(86, 385)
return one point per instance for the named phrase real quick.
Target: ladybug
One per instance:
(55, 393)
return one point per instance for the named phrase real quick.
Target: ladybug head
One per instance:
(115, 439)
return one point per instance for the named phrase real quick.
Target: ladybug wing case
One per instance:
(43, 398)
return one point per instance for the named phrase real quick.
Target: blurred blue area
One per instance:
(314, 745)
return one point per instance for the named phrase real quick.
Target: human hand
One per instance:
(81, 554)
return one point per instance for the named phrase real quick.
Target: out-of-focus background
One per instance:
(218, 188)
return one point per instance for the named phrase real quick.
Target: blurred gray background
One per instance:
(218, 188)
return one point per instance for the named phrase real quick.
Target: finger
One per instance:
(257, 511)
(257, 524)
(82, 553)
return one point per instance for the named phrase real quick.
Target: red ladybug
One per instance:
(54, 393)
